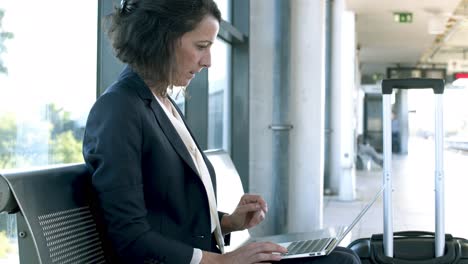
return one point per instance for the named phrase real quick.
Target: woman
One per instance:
(155, 187)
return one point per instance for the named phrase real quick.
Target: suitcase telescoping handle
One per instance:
(413, 83)
(420, 83)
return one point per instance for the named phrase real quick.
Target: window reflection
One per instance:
(47, 86)
(219, 78)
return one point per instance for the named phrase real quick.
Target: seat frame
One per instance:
(56, 212)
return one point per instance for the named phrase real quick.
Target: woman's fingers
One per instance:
(246, 208)
(252, 214)
(254, 198)
(267, 247)
(258, 252)
(257, 218)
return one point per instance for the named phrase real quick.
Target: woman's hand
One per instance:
(250, 211)
(252, 253)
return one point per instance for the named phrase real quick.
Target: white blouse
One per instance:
(200, 164)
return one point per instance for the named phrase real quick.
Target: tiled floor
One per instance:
(413, 195)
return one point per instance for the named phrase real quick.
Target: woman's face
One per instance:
(193, 50)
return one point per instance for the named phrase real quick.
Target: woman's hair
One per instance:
(144, 33)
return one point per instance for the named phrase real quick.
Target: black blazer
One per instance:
(152, 200)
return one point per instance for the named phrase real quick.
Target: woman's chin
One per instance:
(184, 83)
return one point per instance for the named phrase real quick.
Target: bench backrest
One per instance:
(55, 204)
(56, 207)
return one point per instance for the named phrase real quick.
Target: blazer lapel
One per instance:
(164, 122)
(207, 162)
(172, 134)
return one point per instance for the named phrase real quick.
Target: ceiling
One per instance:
(384, 43)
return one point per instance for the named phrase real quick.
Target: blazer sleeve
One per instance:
(112, 149)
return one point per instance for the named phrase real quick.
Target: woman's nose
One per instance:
(206, 60)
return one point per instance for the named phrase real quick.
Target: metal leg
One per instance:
(27, 250)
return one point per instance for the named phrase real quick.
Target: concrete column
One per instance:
(343, 127)
(264, 71)
(287, 86)
(307, 112)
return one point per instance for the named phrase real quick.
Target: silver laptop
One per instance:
(317, 243)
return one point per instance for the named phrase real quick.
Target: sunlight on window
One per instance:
(47, 86)
(219, 89)
(225, 8)
(421, 117)
(50, 84)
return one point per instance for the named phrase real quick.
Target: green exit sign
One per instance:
(403, 17)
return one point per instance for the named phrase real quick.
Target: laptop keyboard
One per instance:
(308, 246)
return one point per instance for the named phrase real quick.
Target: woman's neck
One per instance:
(165, 101)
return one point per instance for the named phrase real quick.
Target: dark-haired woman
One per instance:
(155, 187)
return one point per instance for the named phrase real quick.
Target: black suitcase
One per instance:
(412, 247)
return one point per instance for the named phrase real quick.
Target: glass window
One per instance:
(47, 86)
(219, 79)
(225, 8)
